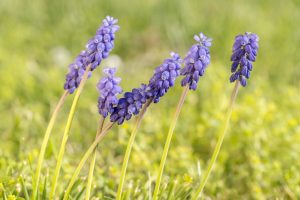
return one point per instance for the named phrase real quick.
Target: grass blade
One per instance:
(44, 194)
(80, 194)
(85, 157)
(24, 188)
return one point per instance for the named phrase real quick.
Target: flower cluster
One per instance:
(97, 49)
(196, 61)
(164, 77)
(108, 88)
(129, 105)
(244, 51)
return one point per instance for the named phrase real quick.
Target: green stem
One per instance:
(129, 148)
(84, 159)
(149, 186)
(92, 165)
(24, 188)
(168, 142)
(66, 133)
(219, 142)
(36, 179)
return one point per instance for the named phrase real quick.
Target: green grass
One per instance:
(259, 158)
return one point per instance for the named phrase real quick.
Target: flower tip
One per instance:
(203, 39)
(197, 38)
(111, 19)
(110, 70)
(252, 36)
(175, 56)
(202, 36)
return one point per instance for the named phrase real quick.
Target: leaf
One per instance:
(24, 188)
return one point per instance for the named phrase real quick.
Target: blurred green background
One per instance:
(260, 155)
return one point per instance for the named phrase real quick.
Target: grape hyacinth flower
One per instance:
(196, 61)
(109, 89)
(164, 77)
(129, 105)
(97, 49)
(133, 103)
(244, 51)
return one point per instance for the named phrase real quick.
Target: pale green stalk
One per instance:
(24, 188)
(149, 186)
(168, 142)
(92, 165)
(219, 142)
(36, 179)
(84, 159)
(129, 148)
(66, 133)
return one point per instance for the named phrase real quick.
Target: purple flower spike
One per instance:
(97, 49)
(129, 105)
(132, 102)
(244, 52)
(196, 61)
(164, 77)
(108, 88)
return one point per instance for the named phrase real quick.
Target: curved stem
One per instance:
(66, 132)
(84, 159)
(36, 179)
(129, 148)
(168, 142)
(92, 165)
(219, 142)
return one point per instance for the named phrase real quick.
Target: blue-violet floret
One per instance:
(244, 52)
(196, 61)
(108, 88)
(97, 49)
(164, 77)
(130, 104)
